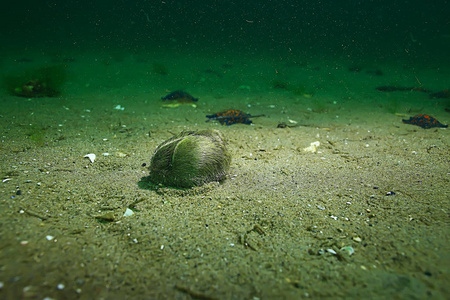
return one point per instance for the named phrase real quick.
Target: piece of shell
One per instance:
(331, 251)
(91, 157)
(121, 154)
(128, 213)
(357, 239)
(349, 249)
(312, 147)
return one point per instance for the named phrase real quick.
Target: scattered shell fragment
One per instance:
(128, 213)
(312, 148)
(173, 105)
(121, 154)
(349, 249)
(331, 251)
(357, 239)
(91, 157)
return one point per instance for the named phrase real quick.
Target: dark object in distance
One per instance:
(355, 69)
(424, 121)
(41, 82)
(179, 96)
(23, 60)
(232, 116)
(391, 193)
(284, 125)
(444, 94)
(391, 88)
(375, 72)
(160, 69)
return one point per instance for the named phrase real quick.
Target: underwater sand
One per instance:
(281, 226)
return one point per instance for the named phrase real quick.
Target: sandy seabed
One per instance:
(366, 216)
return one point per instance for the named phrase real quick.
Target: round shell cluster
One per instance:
(189, 159)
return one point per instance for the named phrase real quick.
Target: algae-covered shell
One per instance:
(189, 159)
